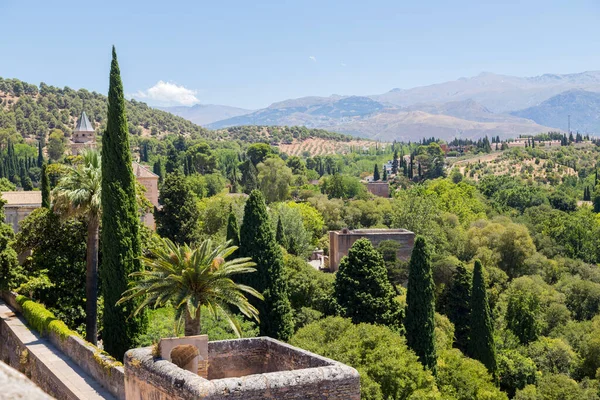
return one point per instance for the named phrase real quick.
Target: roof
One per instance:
(142, 172)
(84, 124)
(23, 198)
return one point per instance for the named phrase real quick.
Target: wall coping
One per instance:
(103, 368)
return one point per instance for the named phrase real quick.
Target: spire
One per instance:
(84, 124)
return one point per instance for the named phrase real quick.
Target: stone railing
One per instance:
(100, 366)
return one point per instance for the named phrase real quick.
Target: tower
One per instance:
(83, 135)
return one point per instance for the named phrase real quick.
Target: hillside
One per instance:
(581, 105)
(204, 114)
(33, 111)
(280, 134)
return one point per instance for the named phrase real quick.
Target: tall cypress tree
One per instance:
(395, 163)
(120, 239)
(458, 306)
(45, 187)
(258, 242)
(280, 234)
(481, 338)
(157, 169)
(233, 231)
(376, 176)
(420, 306)
(40, 157)
(384, 178)
(363, 290)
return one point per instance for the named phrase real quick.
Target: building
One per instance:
(379, 188)
(149, 180)
(19, 205)
(341, 241)
(84, 136)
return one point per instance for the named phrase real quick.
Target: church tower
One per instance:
(83, 135)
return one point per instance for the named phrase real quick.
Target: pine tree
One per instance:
(121, 248)
(395, 163)
(280, 235)
(40, 156)
(233, 231)
(179, 216)
(258, 242)
(45, 187)
(481, 337)
(458, 306)
(420, 306)
(385, 176)
(363, 290)
(376, 176)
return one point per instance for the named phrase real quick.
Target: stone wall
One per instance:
(381, 189)
(147, 377)
(88, 357)
(341, 241)
(16, 386)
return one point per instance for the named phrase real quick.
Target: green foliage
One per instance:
(522, 315)
(297, 240)
(481, 337)
(274, 179)
(343, 187)
(362, 289)
(120, 239)
(556, 387)
(257, 241)
(9, 266)
(45, 188)
(233, 231)
(515, 370)
(42, 320)
(388, 369)
(56, 144)
(420, 298)
(179, 216)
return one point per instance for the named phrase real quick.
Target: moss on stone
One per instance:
(42, 320)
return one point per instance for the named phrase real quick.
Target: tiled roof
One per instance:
(84, 124)
(142, 172)
(32, 198)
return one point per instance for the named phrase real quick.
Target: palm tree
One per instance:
(78, 194)
(189, 278)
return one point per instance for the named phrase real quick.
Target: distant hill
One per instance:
(498, 93)
(581, 105)
(33, 111)
(204, 114)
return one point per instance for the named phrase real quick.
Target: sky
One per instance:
(250, 54)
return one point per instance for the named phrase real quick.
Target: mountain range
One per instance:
(487, 104)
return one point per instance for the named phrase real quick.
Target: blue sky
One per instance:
(252, 53)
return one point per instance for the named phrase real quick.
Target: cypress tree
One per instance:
(157, 169)
(376, 176)
(596, 199)
(258, 242)
(233, 231)
(120, 239)
(172, 163)
(384, 175)
(420, 306)
(481, 337)
(458, 306)
(280, 235)
(395, 163)
(40, 157)
(179, 216)
(363, 290)
(45, 187)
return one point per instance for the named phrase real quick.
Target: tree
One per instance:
(179, 216)
(78, 194)
(458, 306)
(376, 173)
(120, 239)
(385, 176)
(45, 187)
(8, 257)
(395, 163)
(257, 241)
(192, 278)
(481, 337)
(280, 234)
(596, 199)
(56, 144)
(362, 288)
(233, 231)
(40, 156)
(274, 179)
(420, 314)
(157, 169)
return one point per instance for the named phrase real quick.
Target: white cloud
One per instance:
(168, 94)
(313, 58)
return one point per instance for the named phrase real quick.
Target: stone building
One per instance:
(149, 180)
(379, 188)
(341, 241)
(84, 136)
(19, 205)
